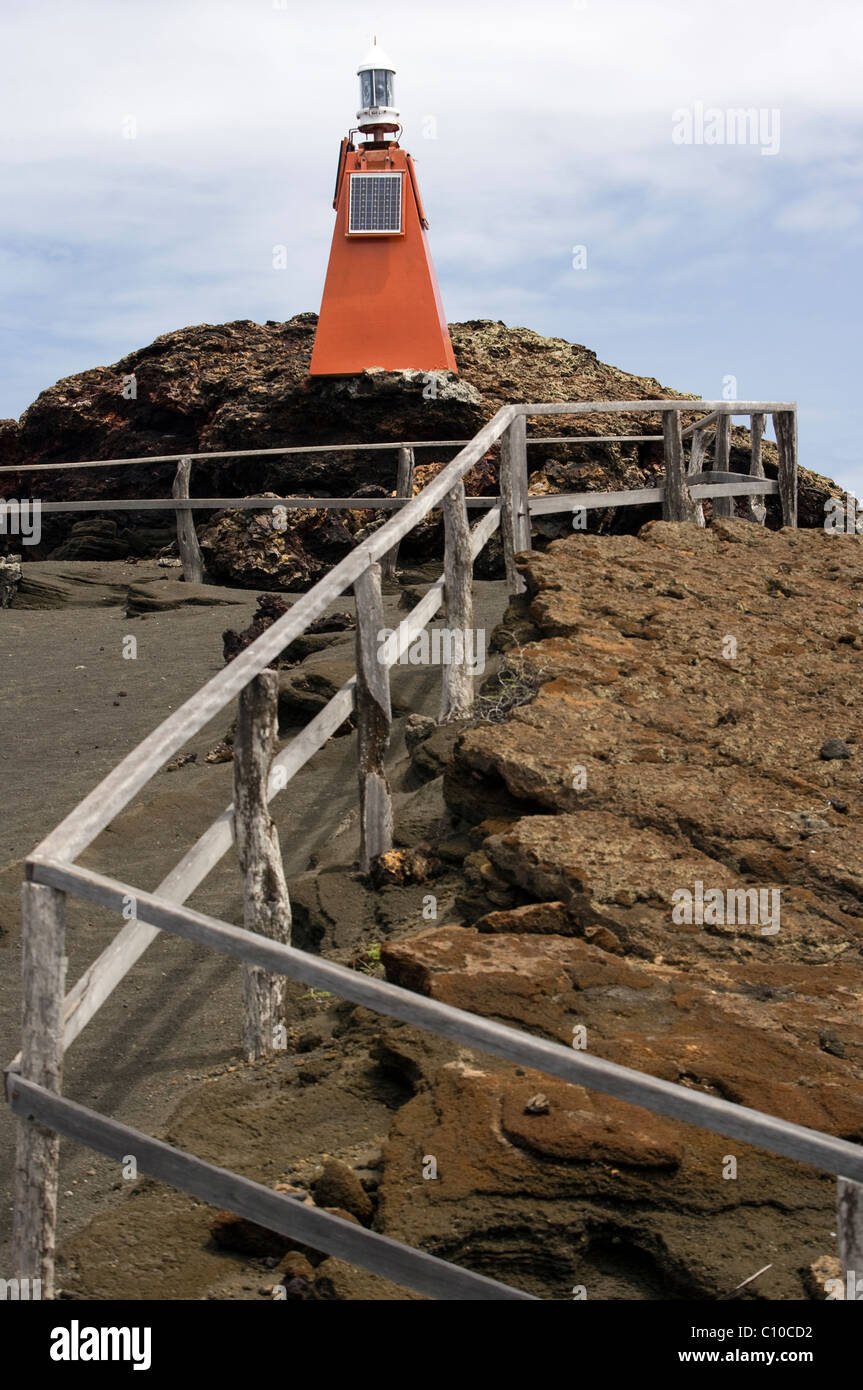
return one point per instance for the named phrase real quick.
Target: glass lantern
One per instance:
(377, 88)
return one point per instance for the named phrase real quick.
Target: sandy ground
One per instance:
(72, 707)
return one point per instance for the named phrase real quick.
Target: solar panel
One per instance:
(376, 203)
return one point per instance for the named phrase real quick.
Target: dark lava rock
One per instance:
(834, 748)
(417, 728)
(270, 608)
(829, 1041)
(246, 386)
(339, 1187)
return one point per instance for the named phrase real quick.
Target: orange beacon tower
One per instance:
(381, 304)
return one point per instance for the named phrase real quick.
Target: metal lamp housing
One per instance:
(377, 91)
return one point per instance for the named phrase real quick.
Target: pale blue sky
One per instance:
(552, 128)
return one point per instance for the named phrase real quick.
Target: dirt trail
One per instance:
(175, 1020)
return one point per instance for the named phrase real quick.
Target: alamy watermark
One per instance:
(22, 519)
(731, 125)
(851, 1290)
(77, 1343)
(437, 646)
(843, 516)
(20, 1290)
(717, 907)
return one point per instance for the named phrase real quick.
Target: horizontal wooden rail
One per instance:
(641, 496)
(253, 504)
(654, 407)
(539, 505)
(233, 454)
(321, 449)
(779, 1136)
(332, 1235)
(325, 449)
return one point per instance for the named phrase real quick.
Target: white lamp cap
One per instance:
(377, 59)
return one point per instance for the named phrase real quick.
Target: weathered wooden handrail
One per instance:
(97, 810)
(670, 1098)
(37, 1070)
(344, 504)
(101, 978)
(331, 1234)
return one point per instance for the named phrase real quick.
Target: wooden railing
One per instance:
(680, 502)
(53, 1018)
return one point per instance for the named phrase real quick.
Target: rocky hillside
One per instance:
(691, 715)
(244, 385)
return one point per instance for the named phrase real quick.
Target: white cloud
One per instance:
(554, 128)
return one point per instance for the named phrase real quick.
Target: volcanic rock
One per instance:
(246, 386)
(339, 1186)
(702, 767)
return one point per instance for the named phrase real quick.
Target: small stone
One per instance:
(399, 867)
(339, 1186)
(819, 1273)
(344, 1215)
(834, 748)
(298, 1289)
(840, 806)
(221, 753)
(604, 938)
(537, 1105)
(829, 1041)
(178, 761)
(295, 1266)
(417, 728)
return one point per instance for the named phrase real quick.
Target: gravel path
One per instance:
(72, 707)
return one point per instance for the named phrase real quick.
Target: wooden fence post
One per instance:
(785, 425)
(43, 961)
(187, 537)
(514, 514)
(457, 687)
(755, 507)
(404, 488)
(722, 506)
(266, 905)
(374, 720)
(677, 501)
(696, 462)
(849, 1230)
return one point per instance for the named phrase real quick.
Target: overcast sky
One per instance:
(537, 128)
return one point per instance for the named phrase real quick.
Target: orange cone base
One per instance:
(381, 305)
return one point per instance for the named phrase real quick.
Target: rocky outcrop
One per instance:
(691, 682)
(246, 385)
